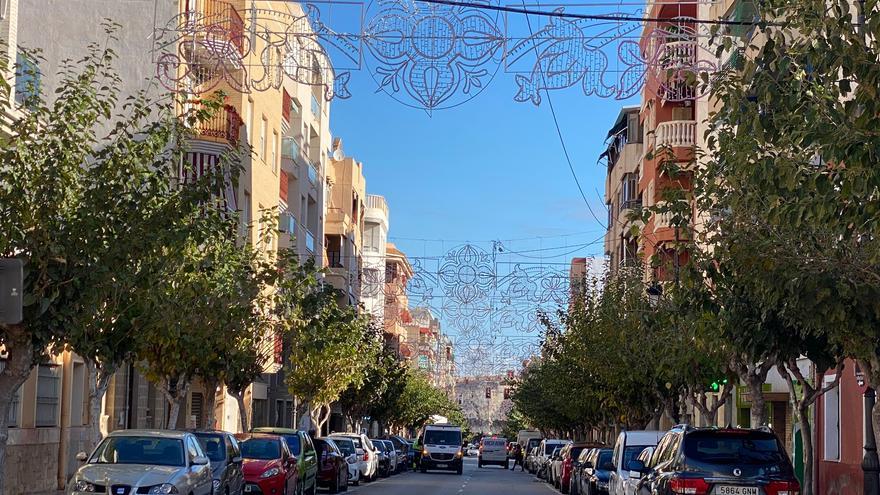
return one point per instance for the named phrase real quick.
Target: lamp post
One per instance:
(870, 463)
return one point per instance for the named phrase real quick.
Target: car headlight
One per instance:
(83, 486)
(459, 453)
(270, 472)
(163, 489)
(425, 453)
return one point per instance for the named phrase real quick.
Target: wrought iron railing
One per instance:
(218, 19)
(224, 124)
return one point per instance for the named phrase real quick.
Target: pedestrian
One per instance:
(518, 458)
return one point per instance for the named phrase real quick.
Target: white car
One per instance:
(545, 452)
(493, 451)
(367, 454)
(628, 446)
(141, 461)
(441, 448)
(472, 450)
(346, 446)
(631, 485)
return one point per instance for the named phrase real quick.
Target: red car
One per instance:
(269, 468)
(332, 466)
(569, 456)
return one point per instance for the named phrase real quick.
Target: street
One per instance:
(486, 481)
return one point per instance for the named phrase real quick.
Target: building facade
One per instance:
(623, 199)
(485, 402)
(372, 276)
(344, 228)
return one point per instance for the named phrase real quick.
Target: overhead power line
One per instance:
(591, 17)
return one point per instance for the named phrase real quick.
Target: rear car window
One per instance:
(741, 448)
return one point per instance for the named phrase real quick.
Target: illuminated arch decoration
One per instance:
(429, 56)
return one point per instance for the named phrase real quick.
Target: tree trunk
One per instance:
(757, 411)
(99, 382)
(807, 438)
(243, 422)
(16, 369)
(210, 420)
(175, 396)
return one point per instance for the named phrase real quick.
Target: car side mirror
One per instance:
(82, 457)
(200, 460)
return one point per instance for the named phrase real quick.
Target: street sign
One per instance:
(11, 288)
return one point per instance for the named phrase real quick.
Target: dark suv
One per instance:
(717, 461)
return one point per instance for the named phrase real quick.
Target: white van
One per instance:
(493, 450)
(441, 448)
(628, 446)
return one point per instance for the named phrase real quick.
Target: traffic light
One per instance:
(717, 384)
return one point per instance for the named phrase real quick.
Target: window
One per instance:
(261, 407)
(263, 125)
(246, 214)
(27, 78)
(371, 239)
(140, 450)
(192, 449)
(48, 395)
(78, 396)
(249, 119)
(831, 424)
(629, 190)
(274, 152)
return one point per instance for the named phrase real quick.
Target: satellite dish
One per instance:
(338, 155)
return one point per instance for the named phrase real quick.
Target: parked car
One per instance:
(402, 447)
(223, 451)
(269, 466)
(569, 462)
(332, 466)
(369, 456)
(628, 446)
(577, 470)
(472, 450)
(140, 461)
(718, 461)
(387, 457)
(493, 451)
(545, 451)
(552, 465)
(303, 450)
(531, 460)
(630, 486)
(352, 459)
(595, 472)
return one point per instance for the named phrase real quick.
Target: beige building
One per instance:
(485, 402)
(398, 272)
(372, 277)
(624, 156)
(344, 228)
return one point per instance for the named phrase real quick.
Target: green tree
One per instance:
(328, 350)
(384, 380)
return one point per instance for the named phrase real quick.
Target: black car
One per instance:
(385, 453)
(223, 451)
(710, 460)
(595, 472)
(403, 449)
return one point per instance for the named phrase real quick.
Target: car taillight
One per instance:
(366, 456)
(689, 486)
(783, 488)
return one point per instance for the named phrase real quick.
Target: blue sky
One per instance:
(491, 168)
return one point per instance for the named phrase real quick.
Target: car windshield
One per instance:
(550, 447)
(140, 450)
(261, 448)
(213, 445)
(604, 458)
(345, 445)
(292, 443)
(533, 443)
(575, 452)
(721, 448)
(631, 452)
(443, 437)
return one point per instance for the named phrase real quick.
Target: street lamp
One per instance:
(654, 292)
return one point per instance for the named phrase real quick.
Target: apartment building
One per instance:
(282, 187)
(485, 402)
(372, 277)
(344, 228)
(398, 273)
(623, 199)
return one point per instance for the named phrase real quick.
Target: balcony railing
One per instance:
(632, 204)
(313, 173)
(316, 107)
(217, 21)
(676, 133)
(310, 241)
(223, 125)
(678, 54)
(290, 147)
(378, 202)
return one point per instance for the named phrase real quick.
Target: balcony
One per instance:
(377, 202)
(313, 174)
(310, 241)
(676, 134)
(316, 108)
(676, 55)
(223, 126)
(216, 34)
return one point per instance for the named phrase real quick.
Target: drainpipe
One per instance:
(870, 463)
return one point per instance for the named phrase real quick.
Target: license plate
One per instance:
(441, 466)
(736, 490)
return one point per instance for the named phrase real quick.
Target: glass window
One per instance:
(736, 448)
(214, 446)
(345, 445)
(192, 448)
(232, 447)
(27, 78)
(263, 125)
(48, 395)
(443, 437)
(139, 450)
(292, 443)
(274, 152)
(261, 448)
(831, 403)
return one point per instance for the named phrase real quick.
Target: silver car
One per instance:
(152, 462)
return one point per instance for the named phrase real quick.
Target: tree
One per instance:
(384, 380)
(328, 349)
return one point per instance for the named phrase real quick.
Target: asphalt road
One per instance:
(492, 480)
